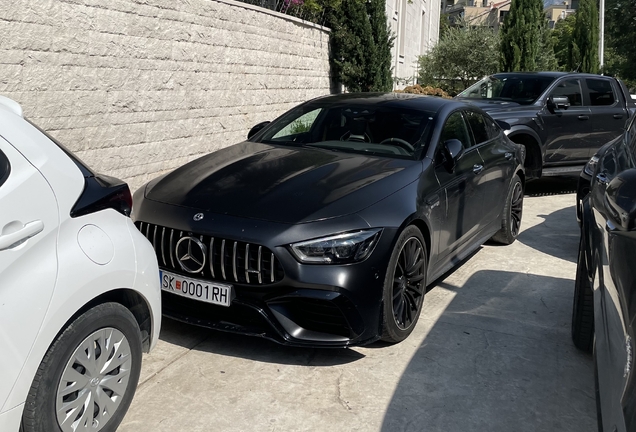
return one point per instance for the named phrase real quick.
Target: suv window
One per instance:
(5, 168)
(455, 128)
(478, 125)
(570, 88)
(601, 92)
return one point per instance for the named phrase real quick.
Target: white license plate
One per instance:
(210, 292)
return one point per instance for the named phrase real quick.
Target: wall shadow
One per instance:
(499, 358)
(557, 235)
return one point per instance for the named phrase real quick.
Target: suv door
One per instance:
(567, 130)
(607, 110)
(28, 259)
(464, 201)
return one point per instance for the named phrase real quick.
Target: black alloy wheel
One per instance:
(512, 213)
(405, 286)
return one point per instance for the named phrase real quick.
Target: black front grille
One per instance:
(226, 260)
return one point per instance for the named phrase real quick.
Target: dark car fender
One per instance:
(535, 149)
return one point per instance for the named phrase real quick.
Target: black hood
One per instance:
(283, 183)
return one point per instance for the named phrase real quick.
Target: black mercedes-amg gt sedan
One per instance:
(604, 312)
(325, 226)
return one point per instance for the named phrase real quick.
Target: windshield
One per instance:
(359, 128)
(521, 89)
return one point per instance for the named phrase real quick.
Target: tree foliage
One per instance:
(361, 45)
(464, 52)
(522, 36)
(562, 39)
(585, 37)
(620, 38)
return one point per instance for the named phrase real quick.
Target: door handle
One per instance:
(584, 117)
(478, 168)
(618, 116)
(602, 179)
(13, 239)
(508, 155)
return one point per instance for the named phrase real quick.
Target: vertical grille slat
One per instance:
(171, 248)
(163, 244)
(234, 262)
(212, 257)
(271, 263)
(258, 261)
(247, 263)
(223, 259)
(240, 262)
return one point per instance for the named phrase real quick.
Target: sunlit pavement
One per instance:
(491, 352)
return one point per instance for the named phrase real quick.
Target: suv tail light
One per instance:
(102, 192)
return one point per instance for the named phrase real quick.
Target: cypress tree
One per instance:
(585, 37)
(521, 36)
(381, 63)
(361, 46)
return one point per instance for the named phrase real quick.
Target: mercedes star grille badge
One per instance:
(191, 254)
(197, 217)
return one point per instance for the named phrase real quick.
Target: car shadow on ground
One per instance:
(554, 236)
(497, 358)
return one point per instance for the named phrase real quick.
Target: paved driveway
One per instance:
(491, 352)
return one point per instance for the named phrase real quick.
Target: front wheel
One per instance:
(404, 286)
(512, 212)
(88, 377)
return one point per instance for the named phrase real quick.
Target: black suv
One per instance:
(561, 118)
(604, 312)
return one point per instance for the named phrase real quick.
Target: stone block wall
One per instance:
(137, 88)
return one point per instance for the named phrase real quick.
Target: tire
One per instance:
(110, 385)
(583, 304)
(404, 286)
(512, 213)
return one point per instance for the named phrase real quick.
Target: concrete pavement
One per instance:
(491, 352)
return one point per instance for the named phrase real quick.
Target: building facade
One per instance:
(415, 25)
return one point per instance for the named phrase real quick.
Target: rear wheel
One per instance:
(88, 377)
(404, 286)
(512, 213)
(583, 304)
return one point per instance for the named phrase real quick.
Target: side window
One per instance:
(5, 168)
(455, 128)
(601, 92)
(478, 126)
(570, 88)
(494, 130)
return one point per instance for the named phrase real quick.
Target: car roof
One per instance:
(547, 74)
(393, 100)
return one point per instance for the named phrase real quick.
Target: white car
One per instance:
(79, 288)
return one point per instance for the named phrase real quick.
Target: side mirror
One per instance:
(256, 129)
(504, 125)
(453, 151)
(620, 200)
(558, 103)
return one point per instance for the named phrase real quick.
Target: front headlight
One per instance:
(590, 167)
(337, 249)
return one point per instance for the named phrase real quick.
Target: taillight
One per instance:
(103, 192)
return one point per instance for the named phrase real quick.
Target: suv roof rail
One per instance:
(11, 105)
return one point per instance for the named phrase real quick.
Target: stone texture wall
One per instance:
(139, 87)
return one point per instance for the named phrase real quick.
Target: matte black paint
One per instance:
(275, 195)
